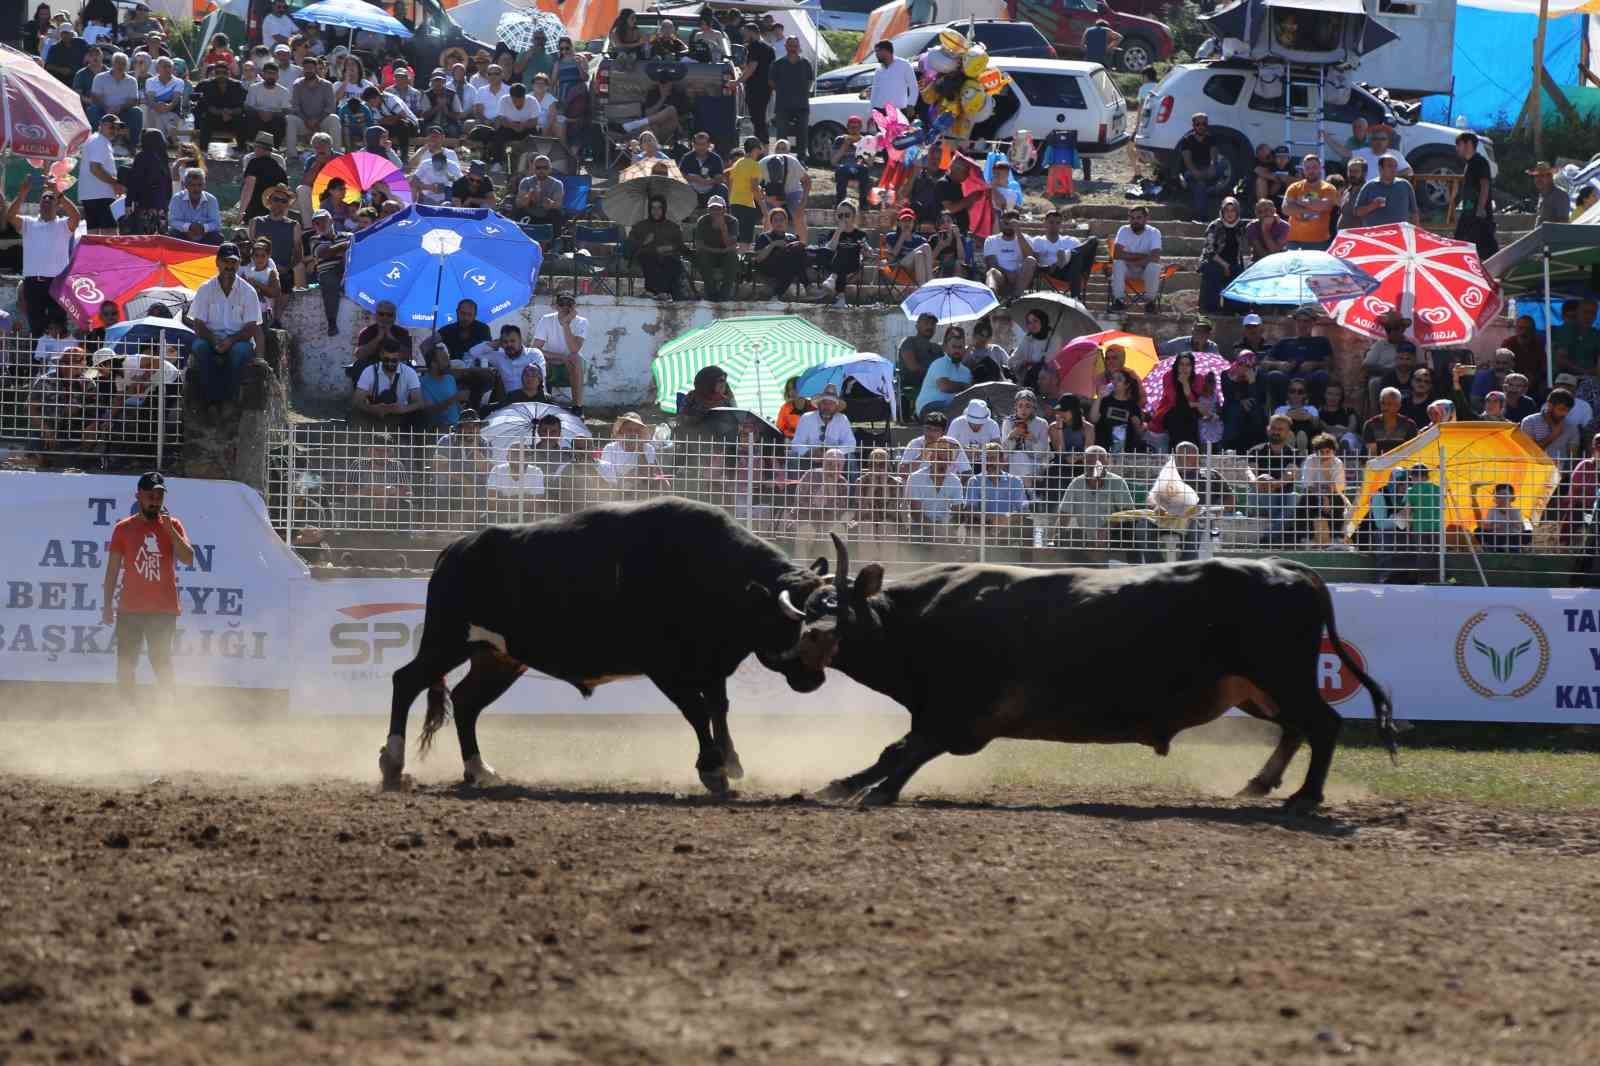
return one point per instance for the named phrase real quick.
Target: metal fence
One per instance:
(357, 491)
(77, 402)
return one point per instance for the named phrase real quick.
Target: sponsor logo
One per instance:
(1502, 653)
(1342, 248)
(363, 642)
(1472, 298)
(85, 291)
(30, 131)
(1336, 681)
(1434, 316)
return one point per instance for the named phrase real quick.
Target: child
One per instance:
(1209, 421)
(1500, 528)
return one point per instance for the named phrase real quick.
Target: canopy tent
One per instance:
(1304, 31)
(1490, 89)
(1477, 456)
(758, 353)
(1551, 255)
(884, 22)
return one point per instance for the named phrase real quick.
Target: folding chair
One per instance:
(897, 278)
(604, 244)
(575, 202)
(1135, 286)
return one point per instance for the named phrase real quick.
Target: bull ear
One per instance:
(869, 582)
(820, 567)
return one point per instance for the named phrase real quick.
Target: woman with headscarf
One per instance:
(377, 142)
(1031, 351)
(704, 436)
(149, 184)
(1175, 413)
(1222, 257)
(657, 244)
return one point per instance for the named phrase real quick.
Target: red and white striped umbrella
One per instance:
(40, 118)
(1435, 281)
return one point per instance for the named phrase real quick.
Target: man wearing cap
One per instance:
(97, 176)
(435, 169)
(46, 248)
(1385, 200)
(262, 172)
(1008, 259)
(975, 427)
(540, 196)
(116, 92)
(474, 188)
(267, 105)
(1554, 204)
(1198, 340)
(219, 108)
(824, 426)
(1300, 355)
(716, 251)
(278, 27)
(947, 375)
(792, 77)
(312, 108)
(226, 319)
(144, 550)
(702, 169)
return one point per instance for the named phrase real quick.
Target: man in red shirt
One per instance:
(145, 548)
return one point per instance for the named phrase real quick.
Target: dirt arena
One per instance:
(1035, 904)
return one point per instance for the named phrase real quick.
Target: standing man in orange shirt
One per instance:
(145, 548)
(1309, 205)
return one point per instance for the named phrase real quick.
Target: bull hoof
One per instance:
(838, 792)
(877, 796)
(732, 766)
(716, 782)
(481, 775)
(1301, 804)
(394, 777)
(1254, 789)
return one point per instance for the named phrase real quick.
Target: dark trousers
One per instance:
(1480, 231)
(139, 633)
(36, 294)
(749, 219)
(1075, 271)
(207, 129)
(1215, 274)
(784, 267)
(794, 123)
(331, 284)
(843, 175)
(662, 274)
(757, 102)
(274, 126)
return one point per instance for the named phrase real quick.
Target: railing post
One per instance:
(288, 486)
(983, 513)
(1444, 510)
(161, 409)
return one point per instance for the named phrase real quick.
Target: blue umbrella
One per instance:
(352, 15)
(125, 337)
(950, 300)
(873, 371)
(427, 259)
(1299, 277)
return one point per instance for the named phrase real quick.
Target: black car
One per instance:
(1021, 39)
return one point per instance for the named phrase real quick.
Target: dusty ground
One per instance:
(282, 910)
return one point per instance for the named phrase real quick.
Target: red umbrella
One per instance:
(40, 118)
(1436, 282)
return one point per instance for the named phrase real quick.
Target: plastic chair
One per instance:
(1135, 286)
(576, 200)
(604, 244)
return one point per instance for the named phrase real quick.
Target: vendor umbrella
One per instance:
(40, 118)
(1435, 281)
(1080, 361)
(1299, 277)
(427, 259)
(758, 354)
(629, 202)
(125, 337)
(120, 268)
(950, 300)
(873, 371)
(360, 171)
(1155, 382)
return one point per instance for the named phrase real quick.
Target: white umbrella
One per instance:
(515, 423)
(515, 29)
(950, 300)
(175, 299)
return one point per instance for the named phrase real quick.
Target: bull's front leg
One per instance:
(691, 700)
(717, 705)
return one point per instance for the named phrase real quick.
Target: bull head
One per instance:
(778, 644)
(836, 610)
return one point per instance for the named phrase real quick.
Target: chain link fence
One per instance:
(82, 402)
(357, 492)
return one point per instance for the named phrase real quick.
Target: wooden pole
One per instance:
(1536, 94)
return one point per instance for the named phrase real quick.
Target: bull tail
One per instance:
(1382, 709)
(445, 617)
(438, 714)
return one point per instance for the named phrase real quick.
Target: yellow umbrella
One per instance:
(1477, 457)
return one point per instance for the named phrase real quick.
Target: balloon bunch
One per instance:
(957, 84)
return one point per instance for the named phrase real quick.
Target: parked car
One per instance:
(1051, 94)
(1144, 40)
(1001, 38)
(1242, 118)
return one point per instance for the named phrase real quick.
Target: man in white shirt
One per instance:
(1136, 247)
(1009, 258)
(933, 431)
(434, 169)
(823, 427)
(278, 27)
(975, 428)
(466, 95)
(490, 91)
(288, 70)
(515, 482)
(46, 248)
(932, 492)
(97, 177)
(388, 394)
(894, 82)
(1064, 256)
(1380, 143)
(116, 92)
(226, 319)
(507, 356)
(163, 98)
(560, 336)
(267, 104)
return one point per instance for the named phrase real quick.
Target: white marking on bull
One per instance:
(481, 773)
(477, 633)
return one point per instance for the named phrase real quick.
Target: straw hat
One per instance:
(829, 392)
(1541, 169)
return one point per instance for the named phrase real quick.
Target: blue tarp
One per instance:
(1493, 65)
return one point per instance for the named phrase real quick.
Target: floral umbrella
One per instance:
(1155, 382)
(360, 171)
(1435, 281)
(120, 268)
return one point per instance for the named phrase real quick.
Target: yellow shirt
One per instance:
(740, 177)
(1303, 225)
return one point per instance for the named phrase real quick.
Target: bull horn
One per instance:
(844, 563)
(790, 611)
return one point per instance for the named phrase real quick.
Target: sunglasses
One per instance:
(385, 314)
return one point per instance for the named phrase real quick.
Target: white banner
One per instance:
(234, 626)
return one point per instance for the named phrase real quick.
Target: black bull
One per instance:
(1127, 655)
(670, 590)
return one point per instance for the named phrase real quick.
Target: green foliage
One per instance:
(185, 40)
(1563, 141)
(1183, 22)
(843, 43)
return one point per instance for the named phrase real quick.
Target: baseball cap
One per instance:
(716, 201)
(152, 479)
(1252, 320)
(321, 213)
(228, 250)
(1567, 379)
(478, 167)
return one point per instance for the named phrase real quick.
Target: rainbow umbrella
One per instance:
(1079, 360)
(360, 171)
(120, 268)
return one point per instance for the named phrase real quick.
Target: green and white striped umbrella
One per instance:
(758, 354)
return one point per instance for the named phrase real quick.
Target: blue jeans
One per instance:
(1200, 190)
(843, 175)
(1278, 508)
(219, 371)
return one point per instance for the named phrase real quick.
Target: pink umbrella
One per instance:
(1155, 382)
(1435, 281)
(40, 118)
(360, 171)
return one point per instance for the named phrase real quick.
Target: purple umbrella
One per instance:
(1155, 382)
